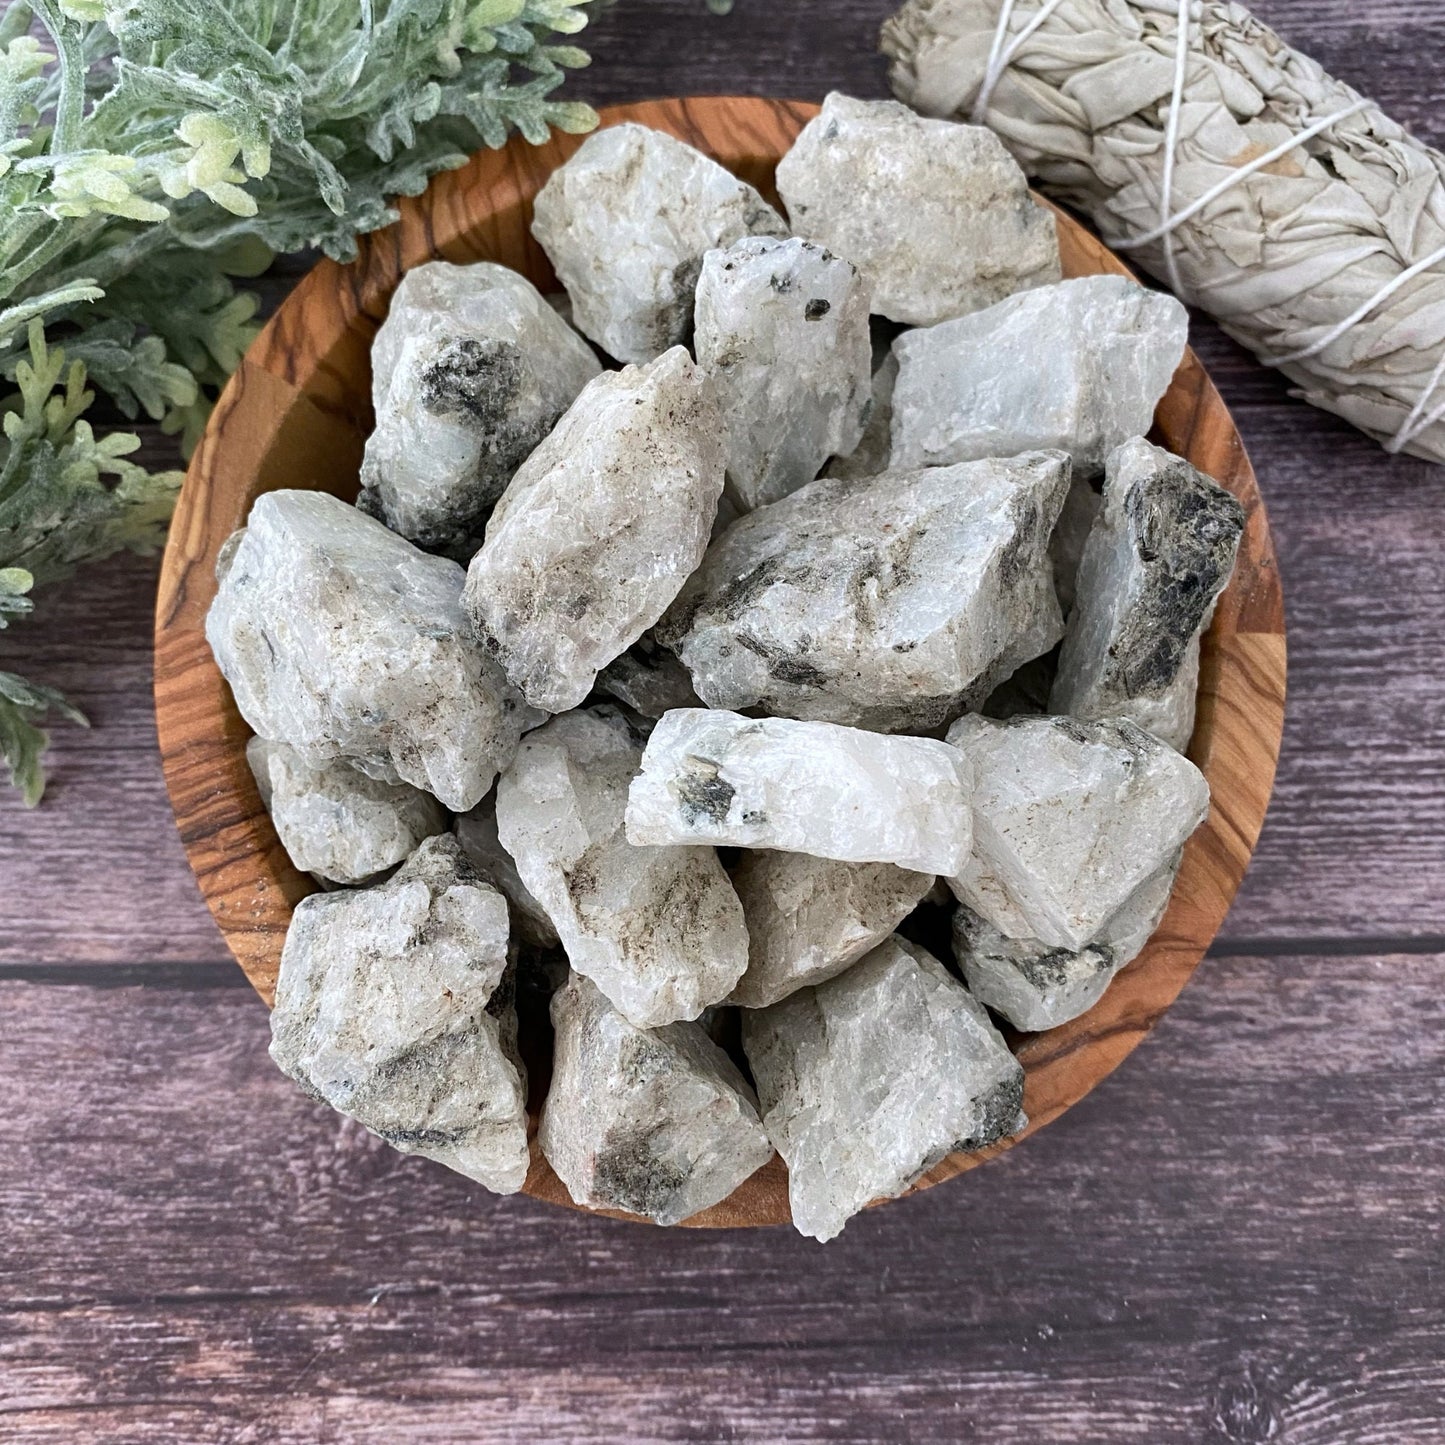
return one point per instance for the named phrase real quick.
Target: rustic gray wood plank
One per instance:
(1233, 1239)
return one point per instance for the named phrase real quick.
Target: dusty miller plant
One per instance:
(150, 152)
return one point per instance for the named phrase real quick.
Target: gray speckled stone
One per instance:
(649, 679)
(659, 930)
(476, 831)
(782, 328)
(1079, 367)
(382, 1011)
(470, 370)
(868, 1080)
(657, 1122)
(345, 641)
(626, 223)
(937, 216)
(1154, 565)
(336, 822)
(890, 603)
(1070, 818)
(809, 918)
(802, 787)
(599, 528)
(1037, 987)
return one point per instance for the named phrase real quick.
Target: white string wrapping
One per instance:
(1259, 163)
(932, 41)
(1167, 223)
(1001, 56)
(1419, 421)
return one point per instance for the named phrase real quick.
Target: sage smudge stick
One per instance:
(1232, 167)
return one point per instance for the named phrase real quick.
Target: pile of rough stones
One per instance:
(681, 692)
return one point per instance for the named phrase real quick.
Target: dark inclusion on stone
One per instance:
(1186, 535)
(1157, 558)
(474, 378)
(702, 793)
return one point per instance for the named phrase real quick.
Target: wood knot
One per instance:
(1246, 1408)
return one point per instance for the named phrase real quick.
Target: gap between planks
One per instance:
(210, 974)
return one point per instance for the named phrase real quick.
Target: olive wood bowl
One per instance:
(296, 414)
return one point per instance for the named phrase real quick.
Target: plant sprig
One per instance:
(152, 151)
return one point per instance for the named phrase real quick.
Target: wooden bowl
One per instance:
(296, 414)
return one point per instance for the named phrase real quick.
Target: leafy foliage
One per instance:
(152, 152)
(23, 706)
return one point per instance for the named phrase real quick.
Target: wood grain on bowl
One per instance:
(296, 414)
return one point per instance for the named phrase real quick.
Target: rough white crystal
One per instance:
(870, 456)
(870, 1079)
(1079, 366)
(626, 223)
(802, 787)
(336, 822)
(649, 679)
(889, 603)
(937, 216)
(476, 831)
(657, 1122)
(382, 1010)
(1069, 819)
(782, 328)
(1155, 563)
(809, 918)
(343, 640)
(470, 370)
(1037, 987)
(599, 528)
(659, 930)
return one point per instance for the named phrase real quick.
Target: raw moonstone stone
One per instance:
(1153, 567)
(477, 833)
(626, 223)
(1079, 366)
(469, 371)
(649, 679)
(657, 1122)
(870, 456)
(782, 328)
(868, 1080)
(335, 821)
(1069, 818)
(809, 918)
(382, 1010)
(600, 527)
(659, 930)
(802, 787)
(937, 216)
(1037, 987)
(889, 603)
(343, 640)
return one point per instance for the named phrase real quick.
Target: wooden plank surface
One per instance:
(1237, 1238)
(1192, 1254)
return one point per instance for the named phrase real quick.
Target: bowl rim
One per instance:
(289, 410)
